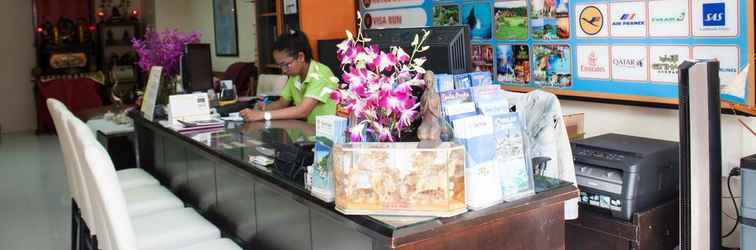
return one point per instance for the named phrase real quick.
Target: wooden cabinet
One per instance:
(654, 229)
(320, 20)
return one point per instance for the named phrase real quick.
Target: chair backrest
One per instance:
(271, 85)
(85, 201)
(107, 199)
(242, 73)
(56, 108)
(112, 215)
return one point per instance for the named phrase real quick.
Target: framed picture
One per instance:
(226, 32)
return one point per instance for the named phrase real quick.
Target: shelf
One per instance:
(267, 14)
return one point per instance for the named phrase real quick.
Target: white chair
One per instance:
(53, 106)
(145, 198)
(181, 229)
(129, 178)
(141, 200)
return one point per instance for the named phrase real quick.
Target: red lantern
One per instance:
(92, 28)
(134, 13)
(101, 14)
(40, 30)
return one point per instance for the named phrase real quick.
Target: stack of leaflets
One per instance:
(480, 79)
(461, 81)
(482, 179)
(444, 82)
(329, 130)
(457, 104)
(516, 175)
(490, 100)
(194, 126)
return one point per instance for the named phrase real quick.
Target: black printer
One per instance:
(624, 174)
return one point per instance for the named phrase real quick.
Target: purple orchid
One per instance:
(377, 86)
(163, 49)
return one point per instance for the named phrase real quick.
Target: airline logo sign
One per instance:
(593, 62)
(715, 18)
(629, 63)
(668, 18)
(713, 14)
(665, 61)
(628, 19)
(592, 22)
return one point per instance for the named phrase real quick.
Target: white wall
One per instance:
(17, 108)
(662, 124)
(171, 14)
(200, 18)
(197, 15)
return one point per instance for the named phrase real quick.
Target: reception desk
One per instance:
(210, 171)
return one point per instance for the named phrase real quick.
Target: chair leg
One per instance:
(74, 225)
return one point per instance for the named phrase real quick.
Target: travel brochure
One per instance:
(329, 130)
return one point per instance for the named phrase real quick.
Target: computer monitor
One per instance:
(700, 155)
(197, 68)
(327, 55)
(449, 51)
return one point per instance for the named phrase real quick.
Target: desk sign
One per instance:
(151, 93)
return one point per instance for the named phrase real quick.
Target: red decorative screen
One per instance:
(52, 10)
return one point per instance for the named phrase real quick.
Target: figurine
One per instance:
(429, 132)
(126, 37)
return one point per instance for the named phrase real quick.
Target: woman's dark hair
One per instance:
(292, 42)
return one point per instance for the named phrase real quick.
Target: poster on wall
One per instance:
(629, 63)
(445, 15)
(477, 16)
(511, 19)
(592, 20)
(552, 65)
(647, 38)
(482, 57)
(668, 18)
(550, 19)
(715, 18)
(628, 19)
(513, 63)
(665, 61)
(593, 62)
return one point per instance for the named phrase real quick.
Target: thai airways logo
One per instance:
(713, 14)
(667, 64)
(628, 19)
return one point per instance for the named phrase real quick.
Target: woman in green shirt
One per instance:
(300, 99)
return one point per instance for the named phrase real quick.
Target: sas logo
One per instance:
(713, 14)
(591, 20)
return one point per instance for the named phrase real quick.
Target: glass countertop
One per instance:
(240, 141)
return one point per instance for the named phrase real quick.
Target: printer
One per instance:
(624, 174)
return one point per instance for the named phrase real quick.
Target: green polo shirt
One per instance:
(317, 85)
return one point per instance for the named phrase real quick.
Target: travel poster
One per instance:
(552, 65)
(513, 63)
(477, 16)
(511, 19)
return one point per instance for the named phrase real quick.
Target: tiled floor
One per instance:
(34, 202)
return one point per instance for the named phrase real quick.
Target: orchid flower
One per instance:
(377, 85)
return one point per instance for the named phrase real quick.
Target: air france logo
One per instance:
(713, 14)
(628, 19)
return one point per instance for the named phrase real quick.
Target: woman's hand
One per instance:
(251, 115)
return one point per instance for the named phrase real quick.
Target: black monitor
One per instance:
(449, 51)
(197, 68)
(327, 55)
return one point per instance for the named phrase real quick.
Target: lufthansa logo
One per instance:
(591, 20)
